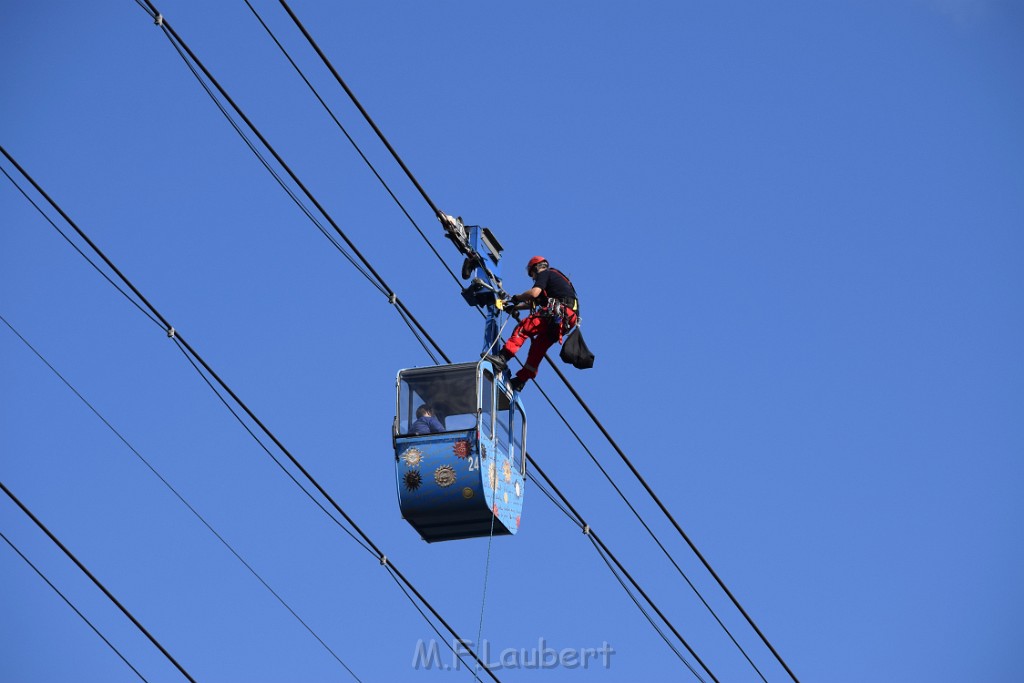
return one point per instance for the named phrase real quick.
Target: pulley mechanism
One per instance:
(481, 267)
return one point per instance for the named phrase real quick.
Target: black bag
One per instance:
(575, 352)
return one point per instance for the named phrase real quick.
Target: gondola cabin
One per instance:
(466, 478)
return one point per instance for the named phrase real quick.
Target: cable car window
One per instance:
(502, 420)
(449, 393)
(518, 439)
(486, 403)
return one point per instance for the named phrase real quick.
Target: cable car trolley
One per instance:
(459, 432)
(466, 480)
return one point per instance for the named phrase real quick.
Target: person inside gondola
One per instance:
(425, 422)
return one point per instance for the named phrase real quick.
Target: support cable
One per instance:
(672, 519)
(362, 110)
(110, 596)
(176, 40)
(72, 606)
(554, 500)
(419, 338)
(345, 132)
(430, 623)
(266, 164)
(590, 535)
(181, 498)
(622, 455)
(192, 354)
(597, 540)
(650, 532)
(645, 613)
(186, 53)
(76, 248)
(245, 408)
(639, 518)
(209, 383)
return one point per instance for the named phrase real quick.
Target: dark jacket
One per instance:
(428, 424)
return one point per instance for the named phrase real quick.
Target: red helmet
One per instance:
(534, 261)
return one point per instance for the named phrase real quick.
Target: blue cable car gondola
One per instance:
(468, 480)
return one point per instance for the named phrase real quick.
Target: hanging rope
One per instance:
(487, 572)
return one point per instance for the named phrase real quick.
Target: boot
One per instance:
(500, 359)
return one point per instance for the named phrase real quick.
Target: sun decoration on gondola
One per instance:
(413, 457)
(506, 469)
(444, 476)
(413, 479)
(461, 448)
(483, 450)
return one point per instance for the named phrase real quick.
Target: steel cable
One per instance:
(244, 407)
(174, 37)
(96, 582)
(593, 417)
(72, 606)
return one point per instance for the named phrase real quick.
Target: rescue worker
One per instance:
(554, 310)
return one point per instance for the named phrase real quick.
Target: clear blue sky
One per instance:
(797, 234)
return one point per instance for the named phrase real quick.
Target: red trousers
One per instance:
(544, 331)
